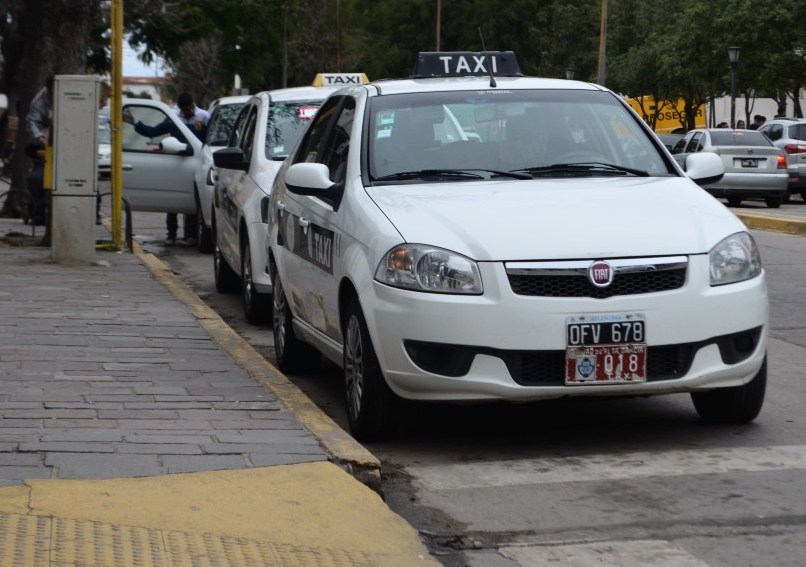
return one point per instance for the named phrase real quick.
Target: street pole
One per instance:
(603, 44)
(116, 116)
(439, 22)
(733, 56)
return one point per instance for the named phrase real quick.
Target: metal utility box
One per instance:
(75, 170)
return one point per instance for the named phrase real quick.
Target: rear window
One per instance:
(798, 132)
(743, 138)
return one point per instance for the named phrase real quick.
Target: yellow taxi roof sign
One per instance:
(339, 79)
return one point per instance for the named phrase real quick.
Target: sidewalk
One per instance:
(136, 428)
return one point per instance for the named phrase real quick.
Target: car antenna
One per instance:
(486, 56)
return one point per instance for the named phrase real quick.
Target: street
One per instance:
(623, 481)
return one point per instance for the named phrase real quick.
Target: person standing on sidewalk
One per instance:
(196, 119)
(37, 123)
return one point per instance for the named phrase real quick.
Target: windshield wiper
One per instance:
(462, 173)
(586, 168)
(423, 173)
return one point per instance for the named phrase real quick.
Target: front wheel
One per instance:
(292, 354)
(734, 201)
(255, 305)
(739, 404)
(372, 407)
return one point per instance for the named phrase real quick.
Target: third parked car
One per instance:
(789, 134)
(754, 168)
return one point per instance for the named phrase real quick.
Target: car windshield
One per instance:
(221, 123)
(739, 138)
(286, 123)
(500, 131)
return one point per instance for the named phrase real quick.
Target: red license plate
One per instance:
(605, 364)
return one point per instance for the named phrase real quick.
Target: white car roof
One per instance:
(303, 93)
(441, 84)
(225, 100)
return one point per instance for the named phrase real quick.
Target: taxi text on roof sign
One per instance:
(466, 63)
(339, 79)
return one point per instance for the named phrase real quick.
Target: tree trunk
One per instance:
(55, 38)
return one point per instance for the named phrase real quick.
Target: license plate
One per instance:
(749, 163)
(605, 349)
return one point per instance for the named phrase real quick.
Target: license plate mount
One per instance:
(605, 349)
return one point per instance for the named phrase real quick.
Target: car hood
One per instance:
(558, 219)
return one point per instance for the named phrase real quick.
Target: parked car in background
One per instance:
(754, 168)
(267, 128)
(789, 134)
(223, 112)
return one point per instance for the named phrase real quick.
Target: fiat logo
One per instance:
(600, 274)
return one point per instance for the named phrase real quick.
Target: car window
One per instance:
(798, 131)
(739, 138)
(247, 140)
(311, 145)
(337, 146)
(157, 124)
(221, 122)
(505, 131)
(694, 143)
(286, 122)
(680, 146)
(239, 127)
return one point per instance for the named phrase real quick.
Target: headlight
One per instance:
(425, 268)
(735, 259)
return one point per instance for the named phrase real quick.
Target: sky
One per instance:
(133, 67)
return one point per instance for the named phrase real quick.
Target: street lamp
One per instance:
(733, 56)
(569, 73)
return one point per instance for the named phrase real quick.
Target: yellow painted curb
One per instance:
(787, 225)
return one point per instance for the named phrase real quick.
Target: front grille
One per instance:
(578, 285)
(547, 367)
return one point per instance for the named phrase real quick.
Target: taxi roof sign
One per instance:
(466, 63)
(339, 79)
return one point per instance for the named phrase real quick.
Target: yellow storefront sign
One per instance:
(668, 116)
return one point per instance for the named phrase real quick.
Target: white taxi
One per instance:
(267, 127)
(555, 249)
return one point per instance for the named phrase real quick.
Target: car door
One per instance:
(155, 178)
(307, 226)
(228, 187)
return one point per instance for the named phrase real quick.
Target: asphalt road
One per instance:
(622, 482)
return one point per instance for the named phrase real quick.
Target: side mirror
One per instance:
(313, 179)
(230, 158)
(704, 168)
(171, 145)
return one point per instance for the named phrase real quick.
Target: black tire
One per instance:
(292, 354)
(226, 280)
(803, 194)
(774, 202)
(256, 305)
(372, 407)
(739, 404)
(734, 201)
(204, 235)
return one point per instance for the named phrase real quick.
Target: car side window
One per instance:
(247, 140)
(151, 126)
(221, 124)
(337, 146)
(680, 146)
(238, 128)
(311, 147)
(695, 144)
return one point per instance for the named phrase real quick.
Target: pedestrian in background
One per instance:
(740, 124)
(758, 121)
(38, 122)
(196, 119)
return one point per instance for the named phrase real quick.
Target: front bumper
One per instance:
(504, 346)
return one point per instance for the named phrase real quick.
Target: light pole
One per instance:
(569, 73)
(733, 56)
